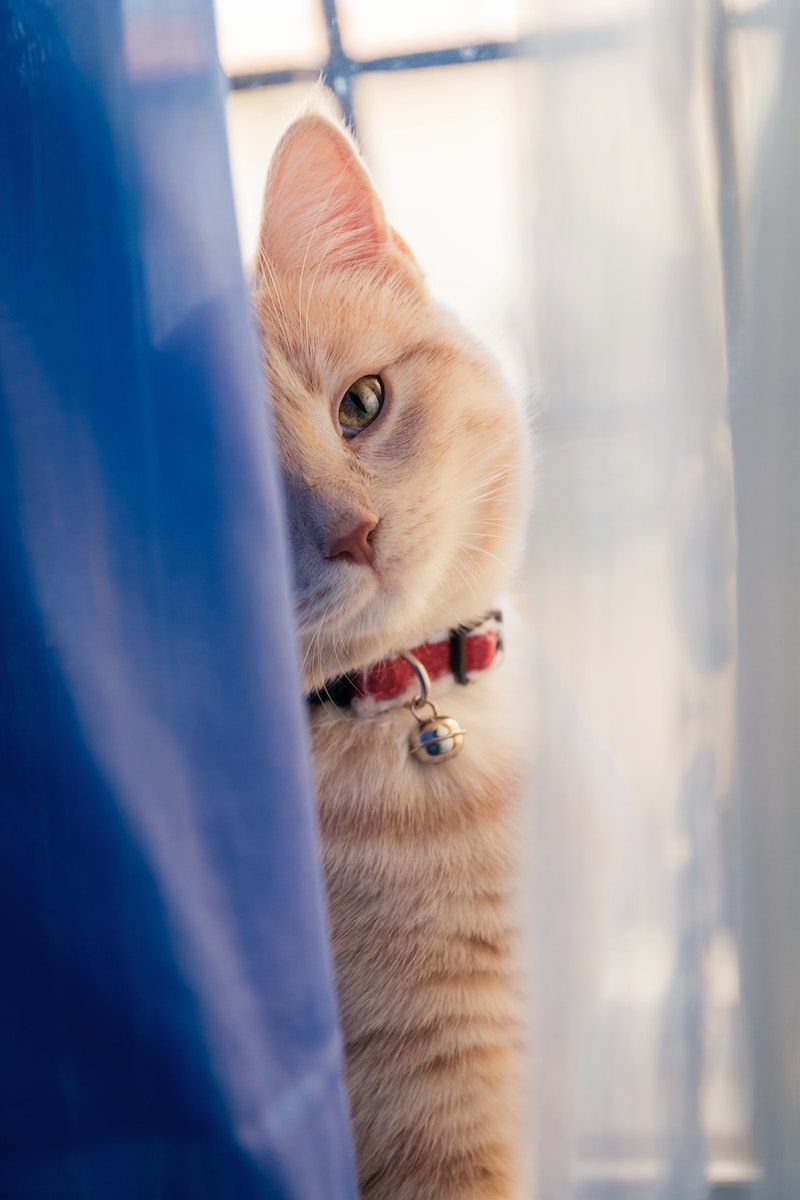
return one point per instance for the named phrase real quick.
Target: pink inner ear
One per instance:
(320, 206)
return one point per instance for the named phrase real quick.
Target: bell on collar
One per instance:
(436, 739)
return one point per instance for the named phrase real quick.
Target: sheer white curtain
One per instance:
(663, 172)
(766, 427)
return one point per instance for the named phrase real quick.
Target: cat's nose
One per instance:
(357, 544)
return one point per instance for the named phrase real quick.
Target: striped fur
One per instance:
(419, 861)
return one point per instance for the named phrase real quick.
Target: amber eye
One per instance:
(360, 404)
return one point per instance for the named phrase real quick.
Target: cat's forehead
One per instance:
(327, 330)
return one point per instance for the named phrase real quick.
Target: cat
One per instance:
(405, 465)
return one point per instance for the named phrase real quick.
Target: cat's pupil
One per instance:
(360, 404)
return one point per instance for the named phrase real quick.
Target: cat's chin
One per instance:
(333, 648)
(426, 574)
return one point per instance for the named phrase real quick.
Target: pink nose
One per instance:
(357, 544)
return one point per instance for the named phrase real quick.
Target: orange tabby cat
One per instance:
(404, 464)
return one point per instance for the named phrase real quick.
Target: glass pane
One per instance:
(256, 118)
(442, 145)
(268, 35)
(575, 15)
(370, 30)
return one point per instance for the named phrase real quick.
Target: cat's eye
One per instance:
(360, 404)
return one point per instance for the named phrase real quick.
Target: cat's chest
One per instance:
(379, 806)
(420, 860)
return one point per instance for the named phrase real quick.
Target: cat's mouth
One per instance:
(346, 595)
(352, 614)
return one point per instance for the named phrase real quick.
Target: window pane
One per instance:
(581, 14)
(442, 145)
(256, 118)
(269, 35)
(370, 30)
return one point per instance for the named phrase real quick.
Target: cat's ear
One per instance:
(321, 207)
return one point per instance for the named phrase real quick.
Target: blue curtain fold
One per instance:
(167, 1017)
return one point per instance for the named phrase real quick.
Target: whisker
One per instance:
(482, 550)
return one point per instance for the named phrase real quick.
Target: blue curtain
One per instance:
(167, 1016)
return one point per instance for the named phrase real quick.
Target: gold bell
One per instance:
(436, 739)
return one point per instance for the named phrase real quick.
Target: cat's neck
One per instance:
(455, 657)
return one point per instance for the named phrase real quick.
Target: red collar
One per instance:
(458, 656)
